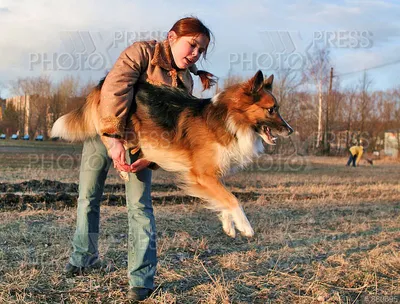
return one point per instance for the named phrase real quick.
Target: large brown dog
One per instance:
(200, 139)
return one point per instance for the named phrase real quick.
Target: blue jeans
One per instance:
(142, 258)
(352, 159)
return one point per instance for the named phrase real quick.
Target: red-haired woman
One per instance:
(169, 62)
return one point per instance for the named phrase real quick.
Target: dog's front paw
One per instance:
(230, 231)
(242, 223)
(227, 224)
(247, 232)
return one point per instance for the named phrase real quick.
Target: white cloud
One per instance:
(35, 26)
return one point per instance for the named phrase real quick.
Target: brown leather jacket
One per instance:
(145, 61)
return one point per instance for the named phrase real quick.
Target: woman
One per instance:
(168, 62)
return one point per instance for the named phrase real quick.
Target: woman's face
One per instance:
(187, 50)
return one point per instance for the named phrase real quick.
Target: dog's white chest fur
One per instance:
(241, 151)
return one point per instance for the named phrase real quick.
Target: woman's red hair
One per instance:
(192, 26)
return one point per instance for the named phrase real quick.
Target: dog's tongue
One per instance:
(267, 132)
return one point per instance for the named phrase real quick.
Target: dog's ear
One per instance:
(268, 83)
(255, 84)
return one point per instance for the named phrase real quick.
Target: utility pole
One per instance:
(319, 135)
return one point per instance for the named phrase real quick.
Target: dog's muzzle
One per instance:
(265, 133)
(270, 135)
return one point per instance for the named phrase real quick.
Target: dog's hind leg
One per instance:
(210, 189)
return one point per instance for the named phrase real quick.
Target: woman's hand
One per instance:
(117, 152)
(140, 164)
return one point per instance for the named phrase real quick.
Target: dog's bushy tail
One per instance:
(79, 124)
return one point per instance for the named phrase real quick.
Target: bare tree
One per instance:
(232, 79)
(10, 124)
(336, 106)
(364, 102)
(317, 72)
(86, 88)
(351, 95)
(286, 84)
(63, 92)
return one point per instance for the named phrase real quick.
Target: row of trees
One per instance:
(326, 116)
(47, 102)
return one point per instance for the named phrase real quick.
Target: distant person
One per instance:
(356, 153)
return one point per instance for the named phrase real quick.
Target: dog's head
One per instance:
(258, 107)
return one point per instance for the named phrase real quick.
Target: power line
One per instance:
(371, 68)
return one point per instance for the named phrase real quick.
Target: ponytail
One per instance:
(207, 79)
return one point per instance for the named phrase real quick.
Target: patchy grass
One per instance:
(325, 233)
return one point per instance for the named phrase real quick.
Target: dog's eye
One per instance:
(271, 110)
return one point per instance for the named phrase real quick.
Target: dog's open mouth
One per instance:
(266, 135)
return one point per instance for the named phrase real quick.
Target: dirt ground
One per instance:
(325, 233)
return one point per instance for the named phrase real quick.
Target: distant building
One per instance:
(22, 105)
(392, 143)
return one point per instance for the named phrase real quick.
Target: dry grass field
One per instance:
(325, 233)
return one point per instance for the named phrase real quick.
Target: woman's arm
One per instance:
(118, 90)
(115, 101)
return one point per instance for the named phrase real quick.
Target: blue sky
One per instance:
(249, 35)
